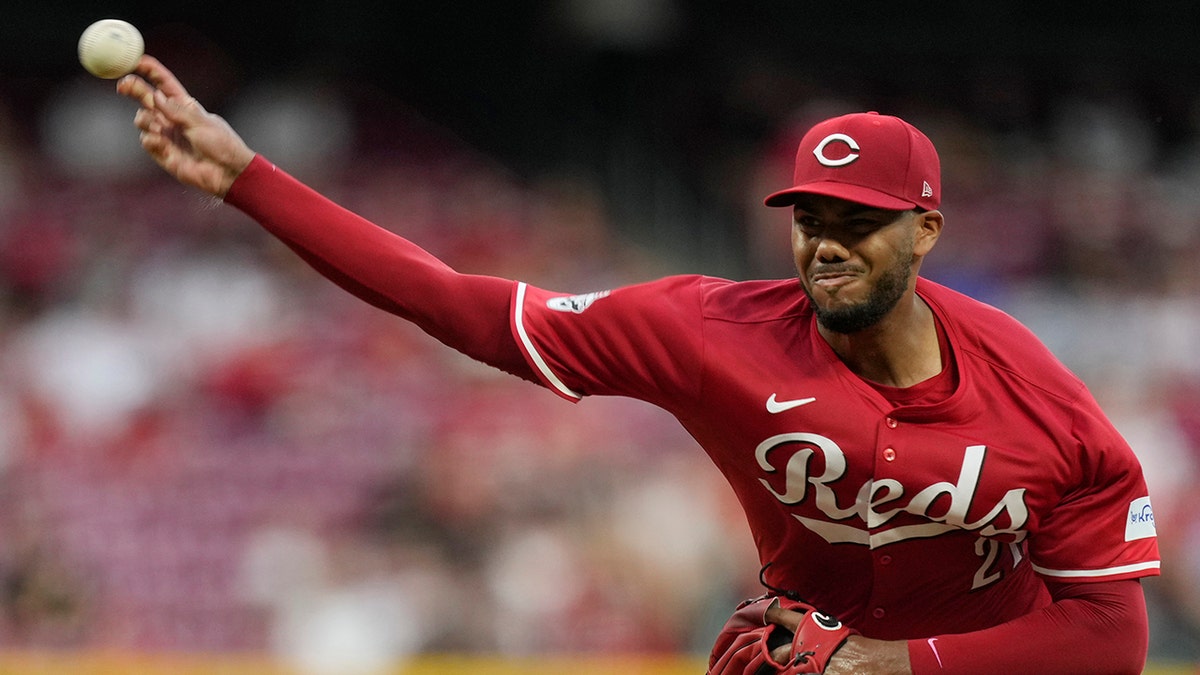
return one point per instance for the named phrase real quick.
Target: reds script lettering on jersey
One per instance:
(906, 522)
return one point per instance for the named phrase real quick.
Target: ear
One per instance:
(928, 229)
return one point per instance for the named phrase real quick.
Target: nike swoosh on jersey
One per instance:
(933, 647)
(775, 406)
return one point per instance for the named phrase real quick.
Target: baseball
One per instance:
(110, 48)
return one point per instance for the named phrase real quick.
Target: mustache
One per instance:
(833, 270)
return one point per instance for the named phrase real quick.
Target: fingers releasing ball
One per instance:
(110, 48)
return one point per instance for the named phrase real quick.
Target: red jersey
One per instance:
(905, 521)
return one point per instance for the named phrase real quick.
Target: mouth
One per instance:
(831, 279)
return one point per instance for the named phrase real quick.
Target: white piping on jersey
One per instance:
(542, 366)
(1071, 574)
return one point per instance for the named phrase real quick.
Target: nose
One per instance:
(829, 249)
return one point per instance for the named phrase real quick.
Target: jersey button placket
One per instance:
(889, 453)
(884, 561)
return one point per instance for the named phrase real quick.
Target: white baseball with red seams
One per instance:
(110, 48)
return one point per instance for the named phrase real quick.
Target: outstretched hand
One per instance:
(198, 148)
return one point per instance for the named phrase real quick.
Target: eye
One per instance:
(863, 226)
(808, 225)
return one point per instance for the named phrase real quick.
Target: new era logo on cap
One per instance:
(872, 159)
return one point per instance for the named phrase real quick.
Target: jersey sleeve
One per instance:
(643, 341)
(1087, 625)
(469, 313)
(1104, 528)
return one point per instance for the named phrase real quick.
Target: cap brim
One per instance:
(852, 193)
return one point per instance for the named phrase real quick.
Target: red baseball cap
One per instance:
(868, 158)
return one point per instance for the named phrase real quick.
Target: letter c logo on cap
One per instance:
(819, 151)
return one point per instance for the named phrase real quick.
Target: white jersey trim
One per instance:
(534, 356)
(1075, 574)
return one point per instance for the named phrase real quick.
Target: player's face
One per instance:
(855, 262)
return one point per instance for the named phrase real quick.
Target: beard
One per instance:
(884, 296)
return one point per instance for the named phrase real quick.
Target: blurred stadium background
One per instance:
(213, 461)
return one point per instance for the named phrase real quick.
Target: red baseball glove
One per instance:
(745, 644)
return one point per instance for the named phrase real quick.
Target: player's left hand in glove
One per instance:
(750, 645)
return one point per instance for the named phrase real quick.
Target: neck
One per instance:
(899, 351)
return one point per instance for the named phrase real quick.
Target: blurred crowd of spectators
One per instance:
(206, 446)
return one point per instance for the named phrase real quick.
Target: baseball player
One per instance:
(928, 488)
